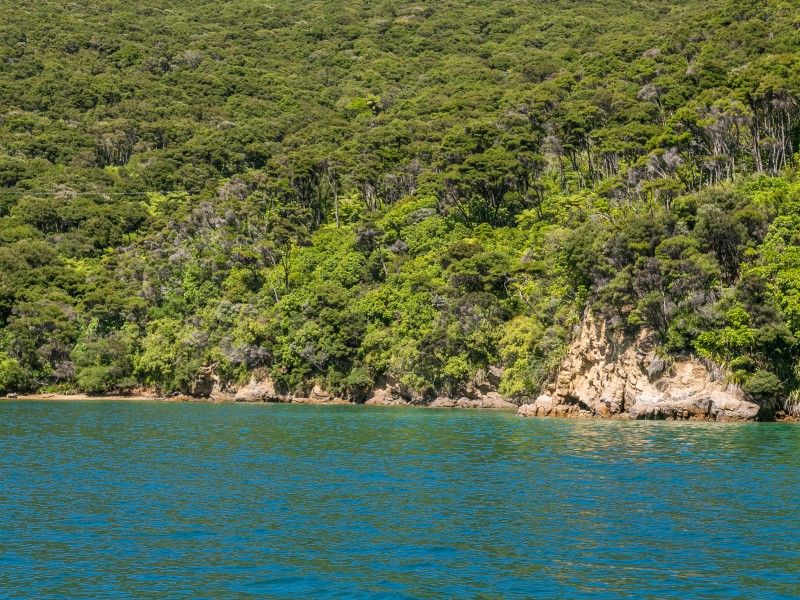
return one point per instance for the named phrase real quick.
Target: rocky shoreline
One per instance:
(388, 392)
(607, 373)
(262, 389)
(543, 407)
(462, 403)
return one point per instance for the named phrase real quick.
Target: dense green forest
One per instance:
(336, 190)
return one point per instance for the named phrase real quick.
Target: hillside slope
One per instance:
(339, 192)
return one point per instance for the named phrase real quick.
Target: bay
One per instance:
(150, 500)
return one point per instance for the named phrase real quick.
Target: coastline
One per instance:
(85, 398)
(338, 402)
(440, 404)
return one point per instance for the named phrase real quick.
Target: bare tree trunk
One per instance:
(383, 264)
(336, 204)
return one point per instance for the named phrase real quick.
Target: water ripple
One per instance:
(110, 500)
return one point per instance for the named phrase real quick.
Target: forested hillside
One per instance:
(332, 191)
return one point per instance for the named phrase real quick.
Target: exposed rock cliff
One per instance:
(478, 394)
(203, 384)
(260, 388)
(608, 373)
(389, 392)
(481, 393)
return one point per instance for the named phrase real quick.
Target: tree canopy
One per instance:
(335, 191)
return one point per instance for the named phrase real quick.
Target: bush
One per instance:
(741, 368)
(94, 380)
(12, 376)
(763, 385)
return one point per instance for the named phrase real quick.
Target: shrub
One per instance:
(741, 368)
(763, 386)
(12, 376)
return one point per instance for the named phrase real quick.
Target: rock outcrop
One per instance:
(318, 396)
(464, 402)
(478, 394)
(608, 373)
(390, 391)
(203, 384)
(481, 393)
(260, 388)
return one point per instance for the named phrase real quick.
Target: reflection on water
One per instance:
(138, 500)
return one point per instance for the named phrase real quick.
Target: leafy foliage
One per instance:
(335, 192)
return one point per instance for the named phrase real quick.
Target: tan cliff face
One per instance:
(480, 393)
(608, 373)
(389, 391)
(261, 388)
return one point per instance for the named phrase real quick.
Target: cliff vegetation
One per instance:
(337, 192)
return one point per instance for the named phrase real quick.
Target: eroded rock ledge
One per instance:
(389, 392)
(607, 373)
(480, 394)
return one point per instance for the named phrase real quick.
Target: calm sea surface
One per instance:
(143, 500)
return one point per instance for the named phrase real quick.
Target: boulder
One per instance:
(260, 388)
(383, 396)
(390, 391)
(725, 408)
(546, 406)
(203, 383)
(443, 402)
(318, 396)
(479, 393)
(492, 400)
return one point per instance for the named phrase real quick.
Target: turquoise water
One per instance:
(147, 500)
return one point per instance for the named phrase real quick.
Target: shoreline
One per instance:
(84, 398)
(229, 400)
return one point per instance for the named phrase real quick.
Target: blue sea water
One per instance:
(146, 500)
